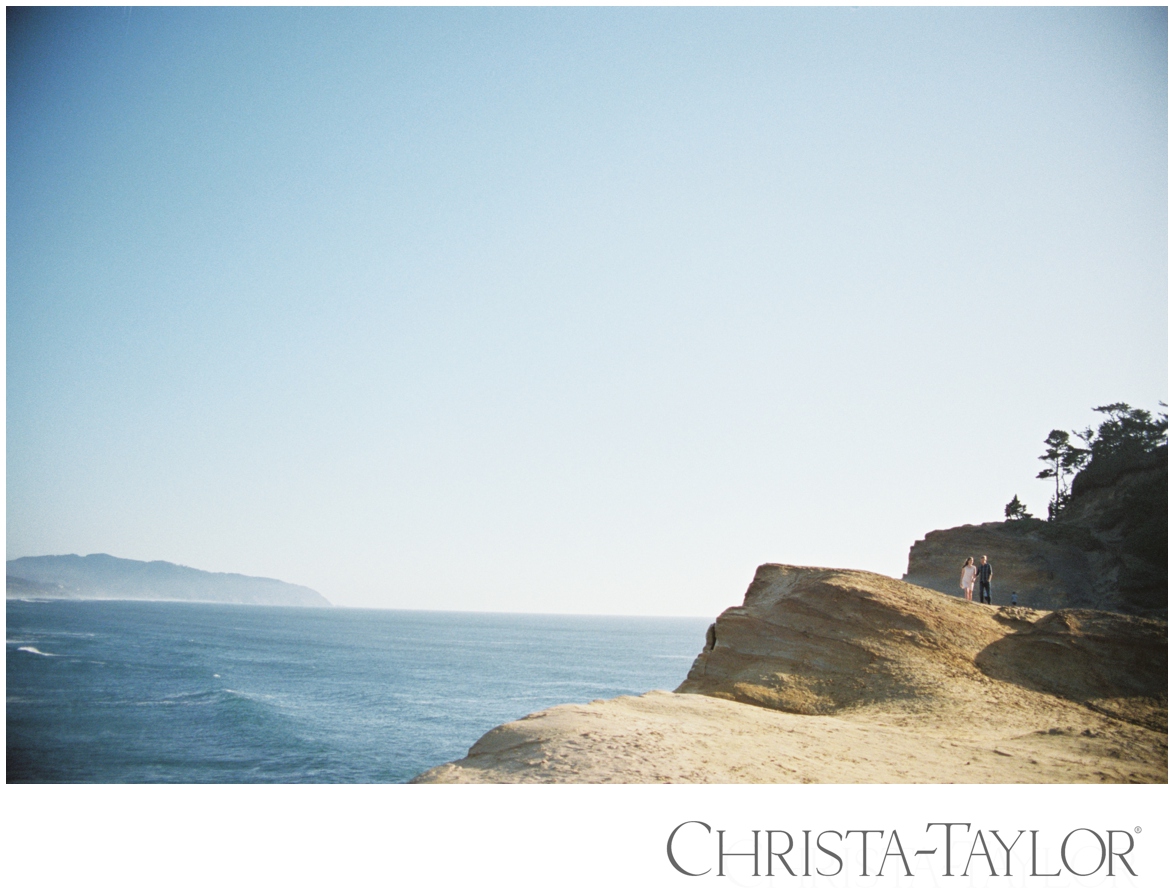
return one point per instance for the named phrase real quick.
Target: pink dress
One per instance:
(969, 573)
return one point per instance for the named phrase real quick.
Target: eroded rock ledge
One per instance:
(826, 675)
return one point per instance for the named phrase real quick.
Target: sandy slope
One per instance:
(840, 676)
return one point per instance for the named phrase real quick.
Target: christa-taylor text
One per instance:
(943, 849)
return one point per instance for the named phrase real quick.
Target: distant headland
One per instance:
(100, 576)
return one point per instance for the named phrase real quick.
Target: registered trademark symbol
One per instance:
(1137, 828)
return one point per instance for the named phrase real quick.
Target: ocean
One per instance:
(174, 692)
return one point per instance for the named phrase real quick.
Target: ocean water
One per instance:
(192, 692)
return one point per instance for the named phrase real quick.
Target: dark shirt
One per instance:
(984, 572)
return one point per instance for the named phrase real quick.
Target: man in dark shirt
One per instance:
(985, 573)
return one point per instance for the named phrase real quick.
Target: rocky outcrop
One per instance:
(825, 641)
(1031, 558)
(1108, 550)
(1123, 503)
(826, 675)
(100, 576)
(822, 641)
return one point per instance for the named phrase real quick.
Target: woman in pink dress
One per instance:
(969, 573)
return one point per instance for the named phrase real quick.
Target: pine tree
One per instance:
(1064, 459)
(1015, 510)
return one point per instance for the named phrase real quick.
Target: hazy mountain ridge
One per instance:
(102, 576)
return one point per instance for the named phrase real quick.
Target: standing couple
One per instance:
(983, 573)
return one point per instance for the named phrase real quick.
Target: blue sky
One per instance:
(584, 310)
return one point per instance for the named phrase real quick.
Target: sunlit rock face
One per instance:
(819, 641)
(825, 641)
(828, 675)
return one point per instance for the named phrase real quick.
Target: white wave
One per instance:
(35, 651)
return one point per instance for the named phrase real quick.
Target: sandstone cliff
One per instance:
(1108, 551)
(1047, 571)
(825, 675)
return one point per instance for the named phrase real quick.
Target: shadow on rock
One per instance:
(1115, 664)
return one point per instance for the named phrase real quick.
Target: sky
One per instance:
(567, 310)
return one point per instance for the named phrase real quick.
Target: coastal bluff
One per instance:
(832, 675)
(1107, 550)
(99, 576)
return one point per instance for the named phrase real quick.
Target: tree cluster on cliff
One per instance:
(1126, 439)
(1112, 501)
